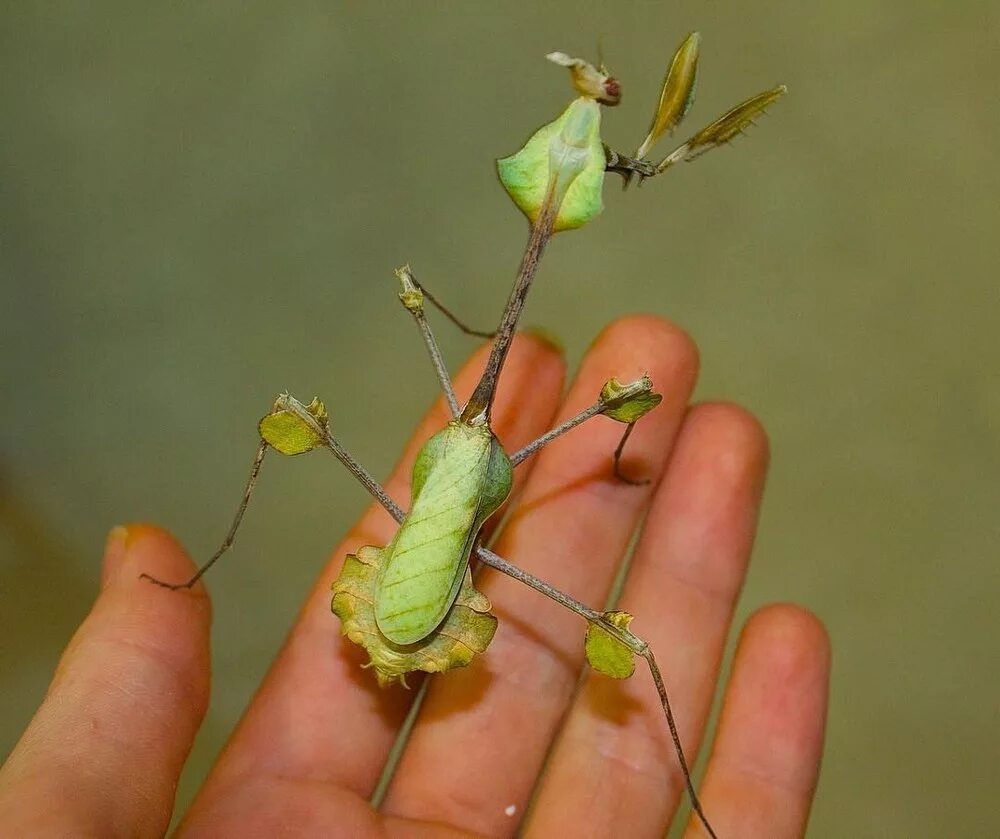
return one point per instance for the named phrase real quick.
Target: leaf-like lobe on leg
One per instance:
(605, 653)
(630, 401)
(293, 428)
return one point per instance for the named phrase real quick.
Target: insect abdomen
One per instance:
(460, 478)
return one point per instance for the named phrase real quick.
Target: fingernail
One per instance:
(115, 547)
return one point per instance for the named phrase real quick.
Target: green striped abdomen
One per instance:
(460, 478)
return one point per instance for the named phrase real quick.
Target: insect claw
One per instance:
(636, 482)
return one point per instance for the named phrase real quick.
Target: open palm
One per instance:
(592, 758)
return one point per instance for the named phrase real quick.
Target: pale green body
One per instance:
(460, 478)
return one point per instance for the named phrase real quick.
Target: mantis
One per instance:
(413, 604)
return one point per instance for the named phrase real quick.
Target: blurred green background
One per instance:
(202, 205)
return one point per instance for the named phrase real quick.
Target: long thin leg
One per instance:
(345, 457)
(413, 299)
(595, 409)
(617, 460)
(629, 639)
(331, 443)
(231, 535)
(437, 304)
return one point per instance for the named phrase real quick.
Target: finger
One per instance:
(102, 755)
(318, 714)
(614, 769)
(571, 528)
(762, 772)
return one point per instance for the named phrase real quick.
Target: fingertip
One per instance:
(537, 346)
(727, 448)
(153, 540)
(782, 670)
(791, 639)
(547, 338)
(132, 606)
(735, 429)
(774, 718)
(651, 339)
(706, 509)
(169, 624)
(154, 552)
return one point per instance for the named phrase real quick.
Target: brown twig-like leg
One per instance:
(532, 447)
(331, 443)
(444, 310)
(617, 458)
(230, 536)
(412, 297)
(633, 642)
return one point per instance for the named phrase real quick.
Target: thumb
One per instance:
(116, 725)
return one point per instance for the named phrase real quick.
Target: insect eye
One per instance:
(612, 92)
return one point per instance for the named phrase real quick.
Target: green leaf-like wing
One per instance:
(606, 653)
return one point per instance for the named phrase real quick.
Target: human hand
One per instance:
(103, 753)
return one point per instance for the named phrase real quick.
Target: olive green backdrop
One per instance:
(202, 206)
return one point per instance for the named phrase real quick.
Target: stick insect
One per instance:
(412, 604)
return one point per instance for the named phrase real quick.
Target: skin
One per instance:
(115, 727)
